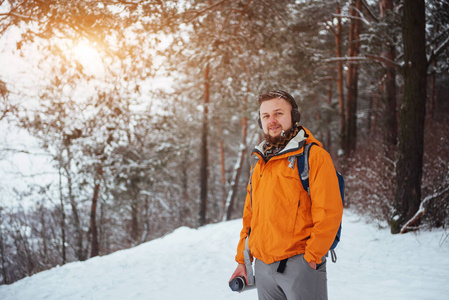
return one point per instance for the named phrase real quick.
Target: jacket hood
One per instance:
(293, 145)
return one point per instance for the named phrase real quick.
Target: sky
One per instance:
(196, 264)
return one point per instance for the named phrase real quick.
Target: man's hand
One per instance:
(312, 265)
(240, 271)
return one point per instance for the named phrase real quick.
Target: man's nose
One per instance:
(272, 120)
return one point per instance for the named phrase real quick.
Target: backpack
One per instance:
(303, 168)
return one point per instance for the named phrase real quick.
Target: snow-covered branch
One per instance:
(351, 17)
(159, 199)
(201, 12)
(369, 11)
(364, 58)
(384, 60)
(275, 11)
(13, 14)
(346, 58)
(438, 51)
(422, 209)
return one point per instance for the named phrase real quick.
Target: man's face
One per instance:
(275, 115)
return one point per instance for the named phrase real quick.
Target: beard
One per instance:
(275, 141)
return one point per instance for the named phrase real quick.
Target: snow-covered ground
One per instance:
(196, 264)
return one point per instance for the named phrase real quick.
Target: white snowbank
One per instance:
(196, 264)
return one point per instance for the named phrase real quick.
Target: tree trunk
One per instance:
(203, 151)
(369, 119)
(432, 79)
(411, 134)
(340, 81)
(79, 250)
(222, 169)
(389, 115)
(2, 254)
(316, 101)
(135, 226)
(432, 93)
(352, 79)
(376, 105)
(238, 166)
(234, 184)
(94, 251)
(185, 209)
(63, 237)
(328, 117)
(390, 105)
(135, 232)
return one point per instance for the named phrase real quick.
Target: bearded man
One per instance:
(287, 229)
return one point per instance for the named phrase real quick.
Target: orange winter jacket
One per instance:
(284, 220)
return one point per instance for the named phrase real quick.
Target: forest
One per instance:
(144, 114)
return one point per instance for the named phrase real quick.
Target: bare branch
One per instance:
(275, 11)
(129, 2)
(13, 14)
(369, 11)
(351, 17)
(439, 36)
(3, 114)
(407, 226)
(199, 13)
(13, 150)
(364, 58)
(241, 16)
(346, 58)
(330, 27)
(383, 60)
(438, 51)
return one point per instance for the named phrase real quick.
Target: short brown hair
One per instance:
(277, 94)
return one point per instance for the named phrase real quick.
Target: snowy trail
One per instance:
(196, 264)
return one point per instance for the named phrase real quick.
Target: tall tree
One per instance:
(93, 229)
(2, 249)
(203, 150)
(412, 115)
(340, 80)
(232, 195)
(389, 113)
(352, 78)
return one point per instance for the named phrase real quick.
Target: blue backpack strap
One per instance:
(341, 185)
(303, 167)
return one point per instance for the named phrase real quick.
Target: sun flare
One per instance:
(89, 57)
(82, 50)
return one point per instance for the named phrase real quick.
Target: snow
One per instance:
(197, 264)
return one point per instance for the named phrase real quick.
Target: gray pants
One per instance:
(298, 282)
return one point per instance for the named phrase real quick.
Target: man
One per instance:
(289, 231)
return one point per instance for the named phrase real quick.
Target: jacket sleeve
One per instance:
(247, 213)
(327, 207)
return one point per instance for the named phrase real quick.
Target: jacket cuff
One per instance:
(239, 260)
(309, 257)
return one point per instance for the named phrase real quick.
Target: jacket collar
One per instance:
(294, 144)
